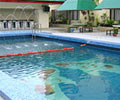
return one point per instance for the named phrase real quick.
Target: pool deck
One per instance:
(91, 36)
(86, 35)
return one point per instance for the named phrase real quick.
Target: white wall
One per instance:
(19, 14)
(24, 11)
(42, 18)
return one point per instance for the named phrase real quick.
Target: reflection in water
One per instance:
(83, 74)
(108, 66)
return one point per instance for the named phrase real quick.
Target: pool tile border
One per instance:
(4, 96)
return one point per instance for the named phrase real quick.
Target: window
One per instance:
(58, 13)
(115, 14)
(75, 15)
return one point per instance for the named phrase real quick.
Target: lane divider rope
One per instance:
(82, 45)
(28, 53)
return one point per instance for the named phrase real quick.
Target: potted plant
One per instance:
(110, 22)
(115, 32)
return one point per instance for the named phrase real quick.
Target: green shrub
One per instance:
(110, 22)
(119, 22)
(61, 16)
(64, 21)
(97, 22)
(115, 30)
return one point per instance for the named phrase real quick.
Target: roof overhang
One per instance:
(109, 4)
(78, 5)
(34, 1)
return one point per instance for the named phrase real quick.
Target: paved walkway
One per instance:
(99, 36)
(91, 36)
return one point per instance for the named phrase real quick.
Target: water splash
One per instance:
(27, 17)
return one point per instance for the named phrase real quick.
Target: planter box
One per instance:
(60, 25)
(103, 29)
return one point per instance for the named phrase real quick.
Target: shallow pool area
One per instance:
(85, 73)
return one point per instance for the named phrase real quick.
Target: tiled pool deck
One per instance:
(86, 35)
(94, 38)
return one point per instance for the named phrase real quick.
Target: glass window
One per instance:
(115, 14)
(75, 15)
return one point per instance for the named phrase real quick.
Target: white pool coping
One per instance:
(91, 36)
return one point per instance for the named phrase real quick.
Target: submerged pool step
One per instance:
(13, 89)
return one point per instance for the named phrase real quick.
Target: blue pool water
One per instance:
(86, 73)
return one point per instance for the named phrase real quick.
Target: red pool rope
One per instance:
(28, 53)
(82, 45)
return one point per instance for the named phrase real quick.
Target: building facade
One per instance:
(13, 11)
(37, 11)
(82, 16)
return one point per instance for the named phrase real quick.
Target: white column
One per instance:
(42, 18)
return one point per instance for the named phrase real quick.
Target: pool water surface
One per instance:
(86, 73)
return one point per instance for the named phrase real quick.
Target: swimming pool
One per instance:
(86, 73)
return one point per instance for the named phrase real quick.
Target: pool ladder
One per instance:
(36, 28)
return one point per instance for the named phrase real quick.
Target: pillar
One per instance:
(42, 18)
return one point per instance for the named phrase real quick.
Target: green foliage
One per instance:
(68, 29)
(104, 18)
(61, 16)
(89, 23)
(119, 22)
(62, 19)
(68, 22)
(115, 30)
(110, 22)
(97, 22)
(51, 19)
